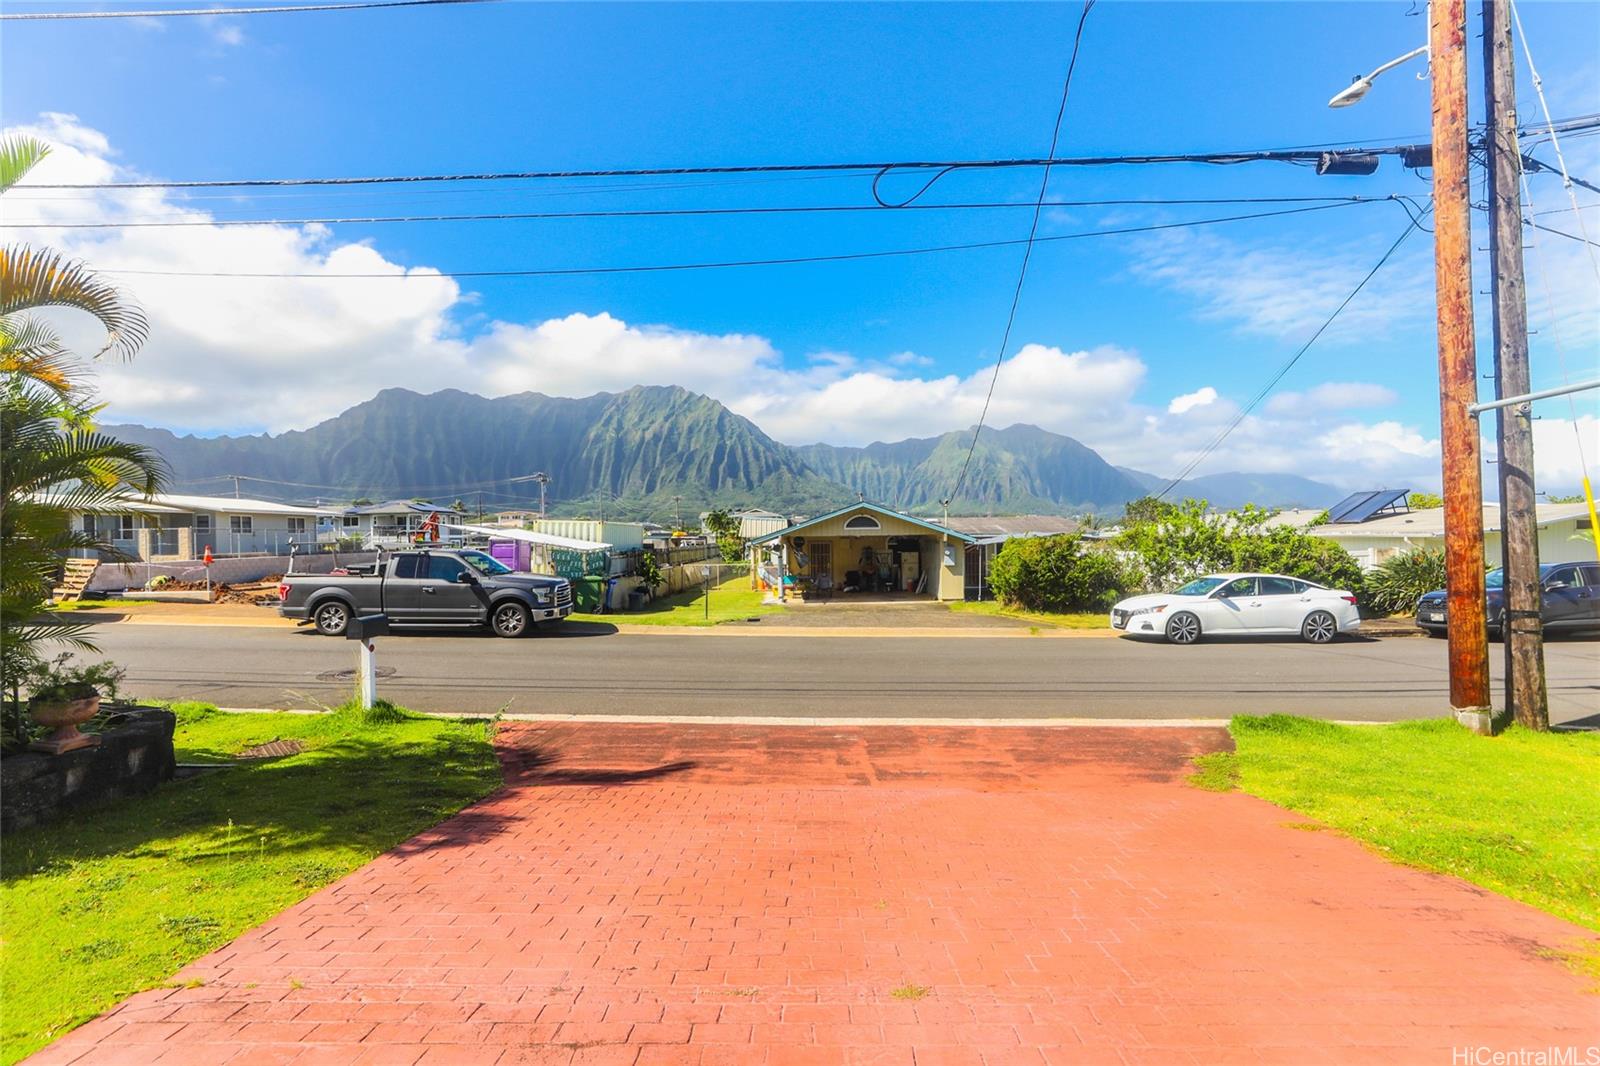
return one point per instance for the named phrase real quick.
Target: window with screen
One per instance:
(862, 521)
(241, 524)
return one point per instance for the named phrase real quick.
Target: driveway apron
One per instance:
(643, 893)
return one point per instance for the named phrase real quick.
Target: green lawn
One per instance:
(1075, 620)
(1518, 814)
(732, 601)
(94, 605)
(114, 900)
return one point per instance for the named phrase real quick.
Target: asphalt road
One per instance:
(603, 671)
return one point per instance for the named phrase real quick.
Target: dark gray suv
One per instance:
(1571, 600)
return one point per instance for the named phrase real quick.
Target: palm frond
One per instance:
(33, 278)
(30, 348)
(18, 155)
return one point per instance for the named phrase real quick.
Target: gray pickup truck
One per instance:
(435, 587)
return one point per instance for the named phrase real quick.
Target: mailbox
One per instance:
(365, 627)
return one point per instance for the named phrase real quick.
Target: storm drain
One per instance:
(274, 749)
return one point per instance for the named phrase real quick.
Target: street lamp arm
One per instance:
(1408, 57)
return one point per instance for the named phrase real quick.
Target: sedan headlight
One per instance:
(1146, 610)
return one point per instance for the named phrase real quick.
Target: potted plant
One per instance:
(63, 697)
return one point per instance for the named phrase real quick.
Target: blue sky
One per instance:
(1143, 345)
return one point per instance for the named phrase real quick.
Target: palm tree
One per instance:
(53, 462)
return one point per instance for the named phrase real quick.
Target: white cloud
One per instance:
(228, 35)
(1190, 400)
(284, 353)
(1287, 292)
(1332, 396)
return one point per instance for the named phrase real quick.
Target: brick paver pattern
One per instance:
(644, 894)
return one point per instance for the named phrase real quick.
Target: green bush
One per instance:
(1059, 573)
(1400, 580)
(1175, 544)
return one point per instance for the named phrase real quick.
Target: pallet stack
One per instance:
(77, 577)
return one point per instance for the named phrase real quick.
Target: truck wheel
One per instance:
(509, 620)
(333, 619)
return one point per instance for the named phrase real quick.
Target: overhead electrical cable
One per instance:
(428, 272)
(1301, 157)
(1282, 371)
(1555, 143)
(1027, 250)
(332, 220)
(286, 9)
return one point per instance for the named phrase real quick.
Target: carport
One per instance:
(862, 551)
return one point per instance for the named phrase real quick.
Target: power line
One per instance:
(42, 16)
(881, 168)
(738, 263)
(1272, 382)
(1295, 156)
(683, 212)
(1027, 251)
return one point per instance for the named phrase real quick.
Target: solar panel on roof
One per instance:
(1360, 506)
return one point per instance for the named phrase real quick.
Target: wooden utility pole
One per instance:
(1458, 368)
(1521, 626)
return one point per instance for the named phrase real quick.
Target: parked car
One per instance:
(1232, 604)
(1571, 600)
(432, 588)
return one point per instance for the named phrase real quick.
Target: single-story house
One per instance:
(1565, 534)
(395, 523)
(864, 548)
(512, 519)
(176, 526)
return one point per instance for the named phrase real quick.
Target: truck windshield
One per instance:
(484, 564)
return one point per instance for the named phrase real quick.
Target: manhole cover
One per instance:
(275, 749)
(350, 675)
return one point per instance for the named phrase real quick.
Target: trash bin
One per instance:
(636, 600)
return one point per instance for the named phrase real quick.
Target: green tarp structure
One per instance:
(573, 564)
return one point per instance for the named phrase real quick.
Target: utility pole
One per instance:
(1463, 475)
(677, 513)
(1522, 627)
(543, 479)
(235, 478)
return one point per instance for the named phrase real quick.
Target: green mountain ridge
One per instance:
(647, 452)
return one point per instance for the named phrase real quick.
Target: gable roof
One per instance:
(965, 538)
(399, 507)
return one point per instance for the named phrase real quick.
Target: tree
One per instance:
(1424, 501)
(724, 527)
(1059, 573)
(1146, 509)
(1576, 497)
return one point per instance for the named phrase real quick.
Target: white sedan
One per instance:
(1223, 604)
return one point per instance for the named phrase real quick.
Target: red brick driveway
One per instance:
(731, 894)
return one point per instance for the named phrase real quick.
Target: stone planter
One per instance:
(64, 716)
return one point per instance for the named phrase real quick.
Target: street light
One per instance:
(1352, 93)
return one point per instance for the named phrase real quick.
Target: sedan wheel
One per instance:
(1183, 628)
(510, 620)
(1319, 628)
(332, 619)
